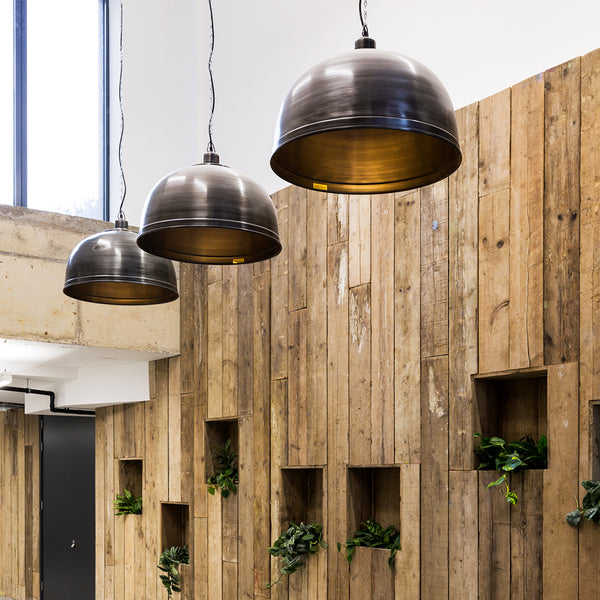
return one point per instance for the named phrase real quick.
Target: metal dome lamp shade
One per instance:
(208, 213)
(109, 267)
(367, 121)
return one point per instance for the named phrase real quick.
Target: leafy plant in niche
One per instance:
(294, 545)
(590, 505)
(372, 535)
(127, 504)
(170, 559)
(511, 457)
(226, 476)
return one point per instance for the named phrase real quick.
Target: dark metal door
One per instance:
(68, 515)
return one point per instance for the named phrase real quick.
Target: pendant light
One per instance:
(109, 268)
(364, 122)
(208, 213)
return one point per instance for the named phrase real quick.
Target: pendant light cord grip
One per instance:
(121, 214)
(211, 146)
(362, 11)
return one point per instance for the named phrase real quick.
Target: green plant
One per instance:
(294, 544)
(590, 505)
(226, 476)
(170, 559)
(372, 535)
(511, 457)
(127, 504)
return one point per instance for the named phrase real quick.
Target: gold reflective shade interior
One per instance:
(364, 122)
(109, 268)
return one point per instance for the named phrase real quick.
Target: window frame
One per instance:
(20, 104)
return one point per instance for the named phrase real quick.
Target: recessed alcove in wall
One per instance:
(595, 433)
(511, 404)
(218, 431)
(175, 520)
(131, 475)
(373, 492)
(301, 495)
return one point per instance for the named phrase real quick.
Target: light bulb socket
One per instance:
(121, 224)
(211, 158)
(364, 42)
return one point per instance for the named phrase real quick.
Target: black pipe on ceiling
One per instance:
(52, 396)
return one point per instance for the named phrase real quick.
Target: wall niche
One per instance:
(175, 520)
(217, 432)
(131, 471)
(512, 404)
(301, 495)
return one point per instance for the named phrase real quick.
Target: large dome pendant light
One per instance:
(208, 213)
(109, 268)
(365, 122)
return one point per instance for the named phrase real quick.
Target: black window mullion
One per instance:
(105, 111)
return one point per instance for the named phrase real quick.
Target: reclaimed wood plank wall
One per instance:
(389, 330)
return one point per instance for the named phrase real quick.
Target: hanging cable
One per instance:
(362, 11)
(211, 146)
(121, 214)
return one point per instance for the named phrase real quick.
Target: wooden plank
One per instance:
(229, 340)
(462, 289)
(245, 511)
(382, 576)
(297, 414)
(337, 416)
(407, 351)
(359, 357)
(129, 526)
(279, 450)
(215, 555)
(316, 329)
(494, 540)
(494, 143)
(494, 281)
(359, 240)
(560, 480)
(245, 332)
(187, 435)
(140, 559)
(382, 331)
(27, 508)
(279, 292)
(434, 269)
(187, 332)
(261, 433)
(463, 534)
(214, 273)
(230, 586)
(337, 218)
(561, 213)
(297, 249)
(434, 479)
(230, 529)
(200, 557)
(109, 464)
(526, 536)
(174, 452)
(120, 561)
(215, 349)
(407, 563)
(360, 574)
(526, 224)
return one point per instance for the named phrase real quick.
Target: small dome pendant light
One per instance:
(208, 213)
(109, 267)
(366, 122)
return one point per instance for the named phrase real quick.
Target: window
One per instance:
(58, 117)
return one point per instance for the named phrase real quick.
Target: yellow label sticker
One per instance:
(237, 261)
(320, 186)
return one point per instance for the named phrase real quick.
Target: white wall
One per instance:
(476, 47)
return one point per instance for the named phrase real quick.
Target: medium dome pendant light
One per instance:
(365, 122)
(109, 268)
(208, 213)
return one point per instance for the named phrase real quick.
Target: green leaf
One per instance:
(574, 517)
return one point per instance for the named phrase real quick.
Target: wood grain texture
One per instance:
(359, 240)
(337, 218)
(494, 282)
(463, 525)
(297, 248)
(560, 480)
(407, 326)
(463, 206)
(561, 213)
(434, 269)
(434, 478)
(526, 224)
